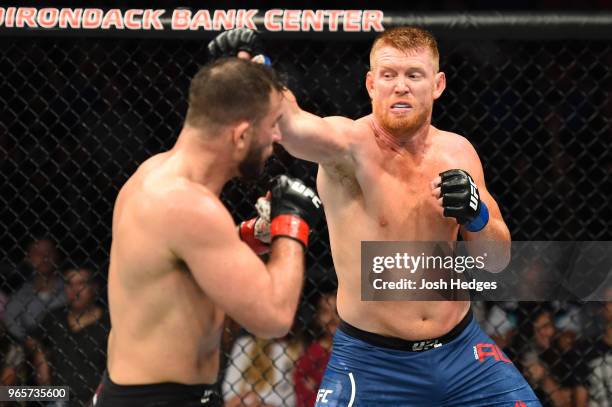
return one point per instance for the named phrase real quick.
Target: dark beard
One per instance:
(251, 168)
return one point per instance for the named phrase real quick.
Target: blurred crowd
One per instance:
(82, 114)
(54, 328)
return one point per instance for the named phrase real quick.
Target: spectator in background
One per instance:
(500, 325)
(594, 372)
(542, 363)
(71, 343)
(259, 373)
(42, 293)
(12, 363)
(310, 367)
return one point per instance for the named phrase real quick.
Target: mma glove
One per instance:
(290, 212)
(461, 200)
(294, 209)
(229, 43)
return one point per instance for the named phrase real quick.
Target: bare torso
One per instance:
(386, 195)
(164, 328)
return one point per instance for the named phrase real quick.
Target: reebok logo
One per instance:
(482, 351)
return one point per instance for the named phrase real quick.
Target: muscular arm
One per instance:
(262, 298)
(304, 135)
(312, 138)
(496, 229)
(464, 157)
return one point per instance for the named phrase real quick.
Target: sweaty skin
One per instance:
(167, 327)
(177, 265)
(380, 183)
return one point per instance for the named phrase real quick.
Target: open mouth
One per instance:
(401, 107)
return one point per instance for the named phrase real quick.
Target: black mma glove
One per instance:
(229, 43)
(461, 200)
(294, 209)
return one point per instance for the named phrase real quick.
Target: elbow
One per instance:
(281, 325)
(505, 252)
(277, 325)
(499, 248)
(500, 260)
(273, 333)
(284, 325)
(506, 257)
(498, 266)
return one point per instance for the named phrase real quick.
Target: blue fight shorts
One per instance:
(464, 368)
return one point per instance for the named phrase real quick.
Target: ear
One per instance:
(240, 135)
(439, 84)
(370, 84)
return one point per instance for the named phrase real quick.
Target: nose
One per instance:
(401, 86)
(276, 134)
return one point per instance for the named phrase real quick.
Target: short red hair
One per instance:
(407, 39)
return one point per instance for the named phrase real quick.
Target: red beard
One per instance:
(401, 124)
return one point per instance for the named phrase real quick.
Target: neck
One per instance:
(203, 158)
(412, 142)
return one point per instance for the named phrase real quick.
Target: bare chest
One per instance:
(397, 193)
(390, 197)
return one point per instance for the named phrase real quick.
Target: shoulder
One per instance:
(456, 149)
(185, 195)
(188, 216)
(189, 205)
(453, 142)
(356, 133)
(340, 122)
(349, 126)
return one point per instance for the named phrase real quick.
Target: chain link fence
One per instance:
(79, 115)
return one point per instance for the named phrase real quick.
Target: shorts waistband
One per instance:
(403, 344)
(157, 389)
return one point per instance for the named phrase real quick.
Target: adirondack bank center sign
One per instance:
(183, 19)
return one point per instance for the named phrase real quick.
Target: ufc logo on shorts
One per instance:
(473, 194)
(322, 395)
(307, 192)
(206, 397)
(425, 345)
